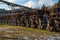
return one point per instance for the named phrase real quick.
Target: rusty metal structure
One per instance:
(27, 17)
(55, 18)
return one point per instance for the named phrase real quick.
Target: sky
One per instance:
(30, 3)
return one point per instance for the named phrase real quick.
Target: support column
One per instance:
(48, 26)
(32, 26)
(27, 24)
(39, 26)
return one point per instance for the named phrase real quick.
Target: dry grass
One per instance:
(20, 28)
(17, 31)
